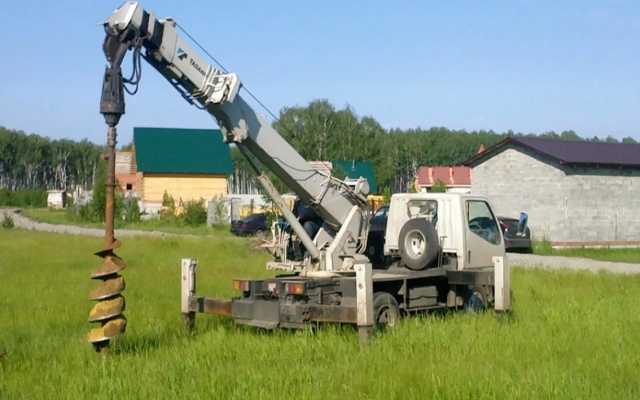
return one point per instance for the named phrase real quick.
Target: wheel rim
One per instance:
(476, 301)
(415, 244)
(387, 317)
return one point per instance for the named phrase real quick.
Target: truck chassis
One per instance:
(294, 301)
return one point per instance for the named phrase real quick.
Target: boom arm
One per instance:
(343, 209)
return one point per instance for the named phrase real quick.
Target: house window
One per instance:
(129, 186)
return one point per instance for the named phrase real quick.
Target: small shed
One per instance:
(355, 169)
(188, 164)
(56, 198)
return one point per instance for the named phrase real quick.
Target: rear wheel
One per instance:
(477, 298)
(418, 244)
(386, 313)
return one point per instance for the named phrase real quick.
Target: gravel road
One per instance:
(23, 222)
(575, 263)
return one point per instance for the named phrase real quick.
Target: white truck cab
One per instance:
(421, 226)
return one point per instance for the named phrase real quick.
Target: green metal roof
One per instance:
(356, 169)
(181, 151)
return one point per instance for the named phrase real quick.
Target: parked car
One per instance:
(514, 241)
(249, 225)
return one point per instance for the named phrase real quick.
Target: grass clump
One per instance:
(7, 221)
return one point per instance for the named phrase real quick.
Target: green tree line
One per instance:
(29, 161)
(319, 131)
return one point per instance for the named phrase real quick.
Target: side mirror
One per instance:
(522, 223)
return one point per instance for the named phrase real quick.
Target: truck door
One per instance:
(484, 239)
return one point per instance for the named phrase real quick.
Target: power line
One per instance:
(219, 64)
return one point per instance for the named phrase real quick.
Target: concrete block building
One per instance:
(576, 193)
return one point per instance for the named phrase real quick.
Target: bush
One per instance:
(168, 211)
(23, 198)
(7, 222)
(386, 194)
(194, 213)
(132, 210)
(439, 187)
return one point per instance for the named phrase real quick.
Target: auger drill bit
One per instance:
(110, 303)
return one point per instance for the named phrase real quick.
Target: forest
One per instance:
(319, 131)
(29, 162)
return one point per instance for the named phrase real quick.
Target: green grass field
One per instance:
(628, 255)
(572, 335)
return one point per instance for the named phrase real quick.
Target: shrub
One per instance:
(7, 221)
(96, 208)
(132, 210)
(386, 194)
(195, 213)
(23, 198)
(168, 210)
(439, 187)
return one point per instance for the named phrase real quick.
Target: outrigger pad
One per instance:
(108, 288)
(107, 309)
(112, 265)
(108, 331)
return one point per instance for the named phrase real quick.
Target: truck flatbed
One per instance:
(294, 301)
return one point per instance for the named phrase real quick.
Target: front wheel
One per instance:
(386, 312)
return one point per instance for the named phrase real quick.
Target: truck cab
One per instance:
(457, 231)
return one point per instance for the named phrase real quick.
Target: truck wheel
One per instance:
(476, 299)
(385, 310)
(418, 244)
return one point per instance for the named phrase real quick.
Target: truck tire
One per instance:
(386, 313)
(418, 244)
(476, 299)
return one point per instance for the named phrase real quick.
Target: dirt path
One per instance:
(24, 222)
(574, 263)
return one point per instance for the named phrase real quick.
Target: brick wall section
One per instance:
(564, 204)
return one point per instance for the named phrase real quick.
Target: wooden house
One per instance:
(188, 164)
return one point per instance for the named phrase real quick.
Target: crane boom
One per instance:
(343, 208)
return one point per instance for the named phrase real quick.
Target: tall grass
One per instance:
(572, 335)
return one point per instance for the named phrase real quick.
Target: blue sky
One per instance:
(528, 66)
